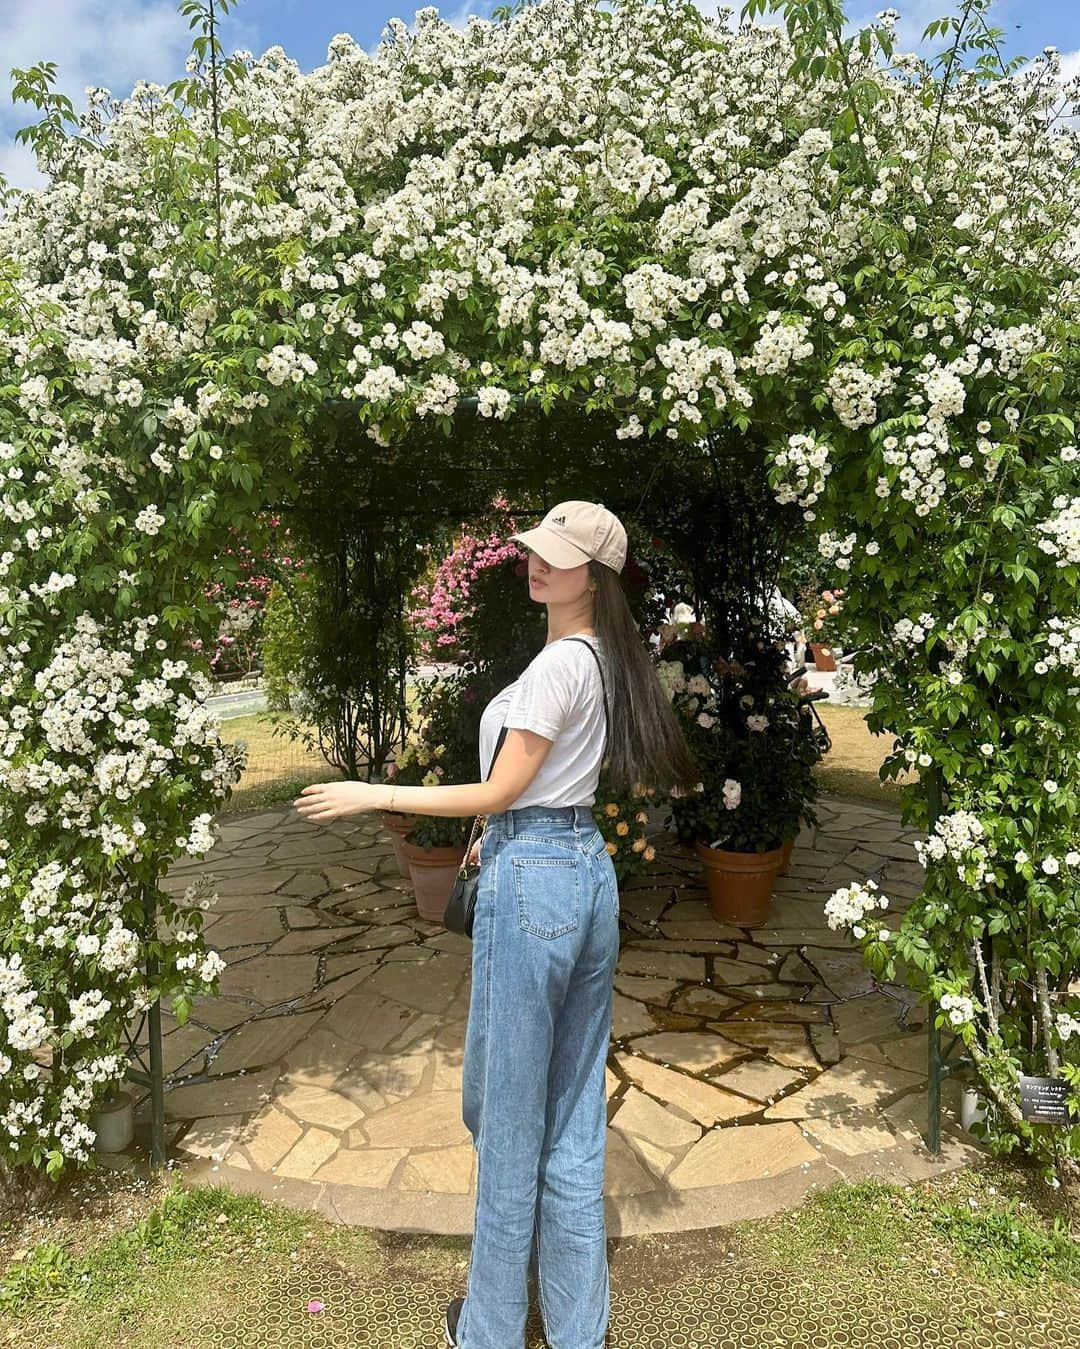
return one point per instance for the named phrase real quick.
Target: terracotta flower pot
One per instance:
(739, 883)
(785, 856)
(432, 871)
(823, 656)
(397, 826)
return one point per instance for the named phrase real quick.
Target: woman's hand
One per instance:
(324, 801)
(473, 859)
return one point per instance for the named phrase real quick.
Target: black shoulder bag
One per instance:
(461, 906)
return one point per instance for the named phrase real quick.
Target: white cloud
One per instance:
(113, 43)
(1069, 70)
(460, 16)
(17, 165)
(1070, 65)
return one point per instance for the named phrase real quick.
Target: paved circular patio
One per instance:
(746, 1067)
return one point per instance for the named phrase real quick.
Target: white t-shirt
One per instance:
(558, 695)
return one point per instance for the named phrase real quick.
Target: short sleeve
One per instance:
(546, 693)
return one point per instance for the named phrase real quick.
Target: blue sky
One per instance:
(116, 42)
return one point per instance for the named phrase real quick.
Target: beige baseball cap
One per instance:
(574, 531)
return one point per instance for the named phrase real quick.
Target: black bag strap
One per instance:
(603, 683)
(463, 870)
(495, 752)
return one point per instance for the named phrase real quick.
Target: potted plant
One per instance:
(434, 847)
(748, 735)
(443, 748)
(419, 762)
(412, 765)
(822, 627)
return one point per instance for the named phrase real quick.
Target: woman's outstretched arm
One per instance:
(518, 762)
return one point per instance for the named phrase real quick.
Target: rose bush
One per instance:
(465, 611)
(754, 743)
(860, 262)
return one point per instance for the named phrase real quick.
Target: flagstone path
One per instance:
(746, 1066)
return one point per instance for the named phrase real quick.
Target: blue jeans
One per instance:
(545, 945)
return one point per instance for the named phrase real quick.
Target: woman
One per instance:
(546, 933)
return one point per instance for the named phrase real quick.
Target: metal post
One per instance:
(155, 1080)
(933, 1067)
(933, 1084)
(157, 1089)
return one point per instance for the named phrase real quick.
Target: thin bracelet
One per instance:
(392, 791)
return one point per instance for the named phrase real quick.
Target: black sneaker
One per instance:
(453, 1316)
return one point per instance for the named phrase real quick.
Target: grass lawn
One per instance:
(109, 1259)
(277, 766)
(851, 766)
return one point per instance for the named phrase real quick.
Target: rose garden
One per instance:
(285, 358)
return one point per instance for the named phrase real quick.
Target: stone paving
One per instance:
(746, 1066)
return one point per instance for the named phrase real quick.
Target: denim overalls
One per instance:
(545, 945)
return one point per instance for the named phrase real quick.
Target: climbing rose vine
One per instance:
(866, 268)
(445, 603)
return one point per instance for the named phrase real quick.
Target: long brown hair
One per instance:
(646, 745)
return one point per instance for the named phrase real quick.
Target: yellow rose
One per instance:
(639, 843)
(611, 808)
(612, 848)
(622, 827)
(430, 779)
(642, 817)
(650, 853)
